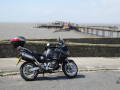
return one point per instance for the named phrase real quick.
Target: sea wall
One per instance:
(75, 49)
(85, 40)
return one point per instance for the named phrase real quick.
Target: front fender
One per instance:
(68, 60)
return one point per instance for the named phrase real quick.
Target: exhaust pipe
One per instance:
(28, 56)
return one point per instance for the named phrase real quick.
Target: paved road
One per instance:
(108, 80)
(84, 63)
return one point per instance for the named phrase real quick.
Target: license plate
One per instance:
(18, 60)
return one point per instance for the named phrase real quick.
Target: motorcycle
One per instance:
(51, 61)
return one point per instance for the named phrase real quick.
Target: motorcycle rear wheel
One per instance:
(26, 73)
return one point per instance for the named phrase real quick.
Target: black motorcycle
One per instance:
(52, 60)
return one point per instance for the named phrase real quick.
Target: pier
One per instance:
(101, 31)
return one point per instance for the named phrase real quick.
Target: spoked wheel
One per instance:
(26, 73)
(70, 69)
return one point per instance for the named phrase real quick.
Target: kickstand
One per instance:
(43, 74)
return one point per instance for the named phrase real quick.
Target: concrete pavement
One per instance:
(84, 63)
(108, 80)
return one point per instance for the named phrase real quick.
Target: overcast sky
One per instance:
(79, 11)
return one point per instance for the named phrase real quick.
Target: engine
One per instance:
(51, 66)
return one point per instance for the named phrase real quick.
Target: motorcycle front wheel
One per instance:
(70, 69)
(26, 73)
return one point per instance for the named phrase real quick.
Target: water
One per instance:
(10, 30)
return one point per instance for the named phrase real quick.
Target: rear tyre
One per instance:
(26, 73)
(70, 69)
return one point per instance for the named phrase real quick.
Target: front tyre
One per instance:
(70, 69)
(26, 73)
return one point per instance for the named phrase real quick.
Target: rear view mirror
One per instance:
(58, 39)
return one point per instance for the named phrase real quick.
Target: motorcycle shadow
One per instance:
(58, 77)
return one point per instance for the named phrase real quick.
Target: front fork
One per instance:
(68, 62)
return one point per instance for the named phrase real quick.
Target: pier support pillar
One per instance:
(97, 32)
(87, 31)
(117, 34)
(111, 34)
(103, 33)
(84, 30)
(92, 31)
